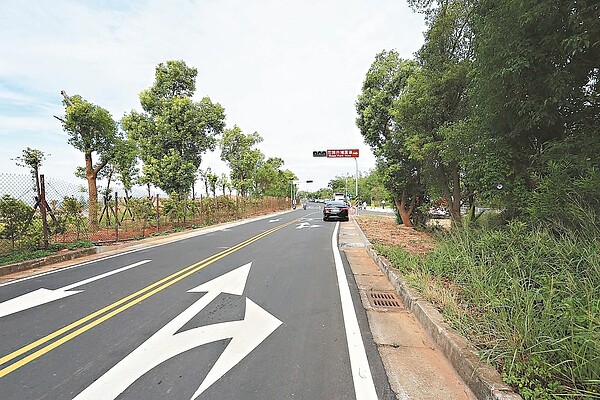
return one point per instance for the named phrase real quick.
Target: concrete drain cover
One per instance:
(384, 300)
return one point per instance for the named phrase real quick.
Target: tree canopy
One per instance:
(174, 131)
(91, 130)
(237, 150)
(500, 105)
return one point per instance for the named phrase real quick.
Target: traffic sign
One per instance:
(342, 153)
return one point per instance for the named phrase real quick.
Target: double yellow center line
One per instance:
(46, 343)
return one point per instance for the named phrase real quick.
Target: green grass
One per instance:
(529, 300)
(25, 255)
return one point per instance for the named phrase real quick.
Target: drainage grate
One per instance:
(384, 300)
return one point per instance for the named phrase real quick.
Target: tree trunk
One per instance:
(456, 196)
(452, 195)
(91, 175)
(92, 192)
(405, 213)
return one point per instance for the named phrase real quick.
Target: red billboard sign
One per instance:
(345, 153)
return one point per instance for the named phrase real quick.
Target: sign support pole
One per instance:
(356, 181)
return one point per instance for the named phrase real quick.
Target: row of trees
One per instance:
(370, 188)
(501, 105)
(169, 136)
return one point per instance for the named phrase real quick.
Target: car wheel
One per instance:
(324, 219)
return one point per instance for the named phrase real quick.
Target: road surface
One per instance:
(262, 310)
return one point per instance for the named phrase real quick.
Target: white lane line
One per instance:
(364, 387)
(142, 247)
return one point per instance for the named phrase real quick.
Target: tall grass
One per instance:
(528, 299)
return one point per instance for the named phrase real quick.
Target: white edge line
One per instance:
(191, 235)
(364, 387)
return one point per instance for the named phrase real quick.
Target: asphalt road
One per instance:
(257, 311)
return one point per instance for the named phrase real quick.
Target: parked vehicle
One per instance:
(335, 210)
(438, 212)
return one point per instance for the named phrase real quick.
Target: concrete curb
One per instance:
(53, 259)
(483, 380)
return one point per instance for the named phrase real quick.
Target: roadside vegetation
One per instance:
(495, 120)
(160, 147)
(527, 299)
(25, 255)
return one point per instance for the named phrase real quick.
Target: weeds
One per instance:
(528, 299)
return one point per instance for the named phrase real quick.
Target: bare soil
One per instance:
(385, 231)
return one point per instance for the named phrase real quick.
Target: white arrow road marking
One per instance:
(303, 225)
(246, 335)
(43, 296)
(306, 225)
(273, 220)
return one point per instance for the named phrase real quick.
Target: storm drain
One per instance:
(384, 300)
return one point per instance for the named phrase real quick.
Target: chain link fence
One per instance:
(59, 214)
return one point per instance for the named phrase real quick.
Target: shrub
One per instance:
(14, 217)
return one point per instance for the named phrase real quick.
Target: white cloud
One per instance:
(289, 70)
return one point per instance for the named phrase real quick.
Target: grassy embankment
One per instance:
(528, 299)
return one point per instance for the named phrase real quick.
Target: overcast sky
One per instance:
(289, 70)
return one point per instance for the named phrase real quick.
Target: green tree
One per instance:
(33, 159)
(125, 163)
(223, 182)
(244, 161)
(73, 212)
(271, 180)
(435, 113)
(174, 131)
(91, 129)
(373, 187)
(338, 184)
(266, 175)
(537, 98)
(211, 180)
(14, 216)
(385, 83)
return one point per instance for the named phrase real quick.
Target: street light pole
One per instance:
(292, 199)
(346, 191)
(356, 183)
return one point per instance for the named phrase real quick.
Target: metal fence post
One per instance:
(117, 216)
(157, 213)
(43, 210)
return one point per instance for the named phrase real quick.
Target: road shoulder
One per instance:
(415, 343)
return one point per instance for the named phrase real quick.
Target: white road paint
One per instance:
(303, 225)
(245, 336)
(273, 220)
(144, 246)
(364, 387)
(43, 296)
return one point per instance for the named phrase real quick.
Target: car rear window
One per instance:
(336, 204)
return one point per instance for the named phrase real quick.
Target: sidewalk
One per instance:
(423, 357)
(416, 369)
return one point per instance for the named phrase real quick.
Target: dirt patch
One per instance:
(384, 230)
